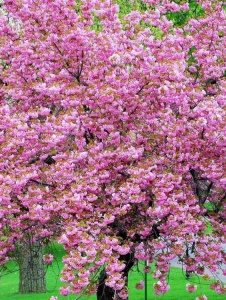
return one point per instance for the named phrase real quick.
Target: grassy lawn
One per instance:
(9, 285)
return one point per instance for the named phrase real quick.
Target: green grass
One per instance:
(9, 285)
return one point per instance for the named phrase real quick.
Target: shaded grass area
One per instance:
(9, 285)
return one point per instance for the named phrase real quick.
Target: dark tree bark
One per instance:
(31, 268)
(107, 293)
(104, 292)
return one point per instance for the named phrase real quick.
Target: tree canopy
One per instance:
(113, 135)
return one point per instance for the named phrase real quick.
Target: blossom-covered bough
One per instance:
(112, 134)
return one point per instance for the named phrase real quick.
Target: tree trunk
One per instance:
(105, 292)
(31, 268)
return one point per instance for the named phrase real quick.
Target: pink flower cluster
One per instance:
(113, 135)
(140, 285)
(191, 288)
(48, 258)
(161, 287)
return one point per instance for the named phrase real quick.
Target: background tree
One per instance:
(113, 136)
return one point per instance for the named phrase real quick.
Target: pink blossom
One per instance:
(64, 291)
(147, 269)
(161, 287)
(191, 288)
(48, 258)
(123, 294)
(140, 285)
(123, 250)
(203, 297)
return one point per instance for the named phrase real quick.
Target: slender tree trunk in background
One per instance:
(31, 268)
(107, 293)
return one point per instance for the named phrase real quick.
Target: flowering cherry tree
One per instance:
(113, 137)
